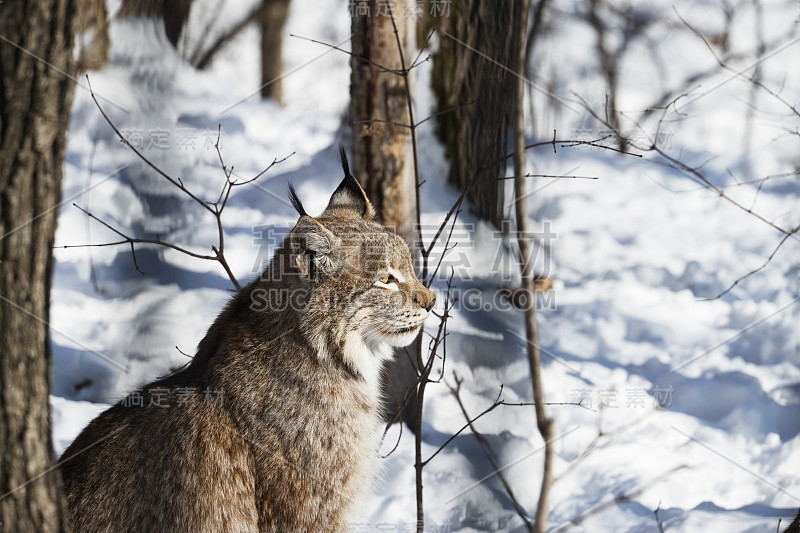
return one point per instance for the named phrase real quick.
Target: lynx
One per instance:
(794, 527)
(275, 423)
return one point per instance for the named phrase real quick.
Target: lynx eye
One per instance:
(388, 278)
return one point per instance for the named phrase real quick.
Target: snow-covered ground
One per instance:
(689, 404)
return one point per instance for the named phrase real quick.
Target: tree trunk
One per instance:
(272, 19)
(474, 87)
(174, 13)
(35, 101)
(381, 145)
(382, 151)
(91, 32)
(609, 68)
(517, 120)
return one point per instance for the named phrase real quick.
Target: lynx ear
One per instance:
(314, 247)
(349, 195)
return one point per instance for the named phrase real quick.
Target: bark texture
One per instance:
(378, 109)
(35, 103)
(474, 87)
(381, 144)
(272, 18)
(91, 33)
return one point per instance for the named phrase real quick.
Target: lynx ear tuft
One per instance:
(314, 248)
(349, 195)
(296, 203)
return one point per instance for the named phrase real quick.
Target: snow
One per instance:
(690, 404)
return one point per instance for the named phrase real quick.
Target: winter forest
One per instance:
(602, 195)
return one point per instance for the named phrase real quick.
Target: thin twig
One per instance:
(351, 54)
(226, 37)
(754, 271)
(184, 353)
(659, 523)
(762, 48)
(215, 208)
(132, 241)
(487, 451)
(694, 173)
(495, 404)
(564, 143)
(550, 176)
(619, 498)
(141, 156)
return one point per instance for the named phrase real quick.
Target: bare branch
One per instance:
(659, 523)
(692, 171)
(601, 434)
(254, 178)
(184, 353)
(429, 281)
(215, 208)
(141, 156)
(201, 62)
(132, 241)
(444, 111)
(722, 64)
(421, 50)
(619, 498)
(754, 271)
(487, 451)
(695, 174)
(495, 404)
(384, 121)
(550, 176)
(351, 54)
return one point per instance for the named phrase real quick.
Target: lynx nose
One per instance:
(429, 306)
(425, 299)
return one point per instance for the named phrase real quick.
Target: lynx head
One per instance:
(362, 293)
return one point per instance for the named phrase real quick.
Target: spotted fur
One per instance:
(294, 363)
